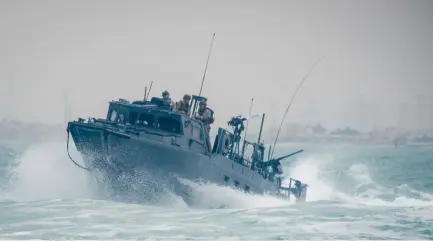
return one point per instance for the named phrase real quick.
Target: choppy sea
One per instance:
(354, 193)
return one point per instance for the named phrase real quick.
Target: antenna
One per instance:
(290, 103)
(249, 114)
(145, 92)
(148, 93)
(207, 62)
(194, 109)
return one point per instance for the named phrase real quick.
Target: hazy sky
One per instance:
(378, 58)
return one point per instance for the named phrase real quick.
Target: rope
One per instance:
(67, 149)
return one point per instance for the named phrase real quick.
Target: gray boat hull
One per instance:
(156, 165)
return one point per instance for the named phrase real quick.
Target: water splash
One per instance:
(44, 172)
(359, 187)
(210, 195)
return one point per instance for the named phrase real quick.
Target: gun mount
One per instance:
(237, 124)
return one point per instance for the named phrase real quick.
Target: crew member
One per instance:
(256, 156)
(167, 100)
(205, 115)
(297, 190)
(183, 106)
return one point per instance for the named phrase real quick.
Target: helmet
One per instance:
(165, 93)
(203, 102)
(188, 97)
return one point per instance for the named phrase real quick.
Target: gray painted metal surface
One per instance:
(128, 141)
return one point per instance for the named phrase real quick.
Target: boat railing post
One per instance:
(243, 148)
(269, 152)
(290, 189)
(261, 128)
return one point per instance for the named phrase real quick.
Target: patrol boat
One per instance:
(169, 146)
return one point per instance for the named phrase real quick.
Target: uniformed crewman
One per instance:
(167, 100)
(297, 190)
(256, 156)
(183, 106)
(205, 115)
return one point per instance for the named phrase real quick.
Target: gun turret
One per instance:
(238, 125)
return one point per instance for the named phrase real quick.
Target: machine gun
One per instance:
(237, 123)
(275, 164)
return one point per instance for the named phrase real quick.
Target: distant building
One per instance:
(318, 130)
(346, 132)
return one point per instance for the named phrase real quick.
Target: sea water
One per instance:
(354, 193)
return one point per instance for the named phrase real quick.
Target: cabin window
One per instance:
(247, 188)
(169, 124)
(121, 119)
(226, 180)
(113, 115)
(133, 117)
(236, 183)
(146, 119)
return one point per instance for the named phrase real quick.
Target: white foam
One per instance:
(308, 170)
(214, 196)
(45, 172)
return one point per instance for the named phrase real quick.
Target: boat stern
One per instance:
(295, 188)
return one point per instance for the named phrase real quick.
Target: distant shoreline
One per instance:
(342, 143)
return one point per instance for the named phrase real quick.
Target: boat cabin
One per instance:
(154, 116)
(145, 116)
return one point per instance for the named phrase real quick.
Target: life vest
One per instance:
(211, 118)
(167, 104)
(183, 106)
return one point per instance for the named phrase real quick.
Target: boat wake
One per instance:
(43, 172)
(352, 184)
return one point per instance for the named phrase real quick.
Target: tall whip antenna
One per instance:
(207, 62)
(246, 128)
(290, 103)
